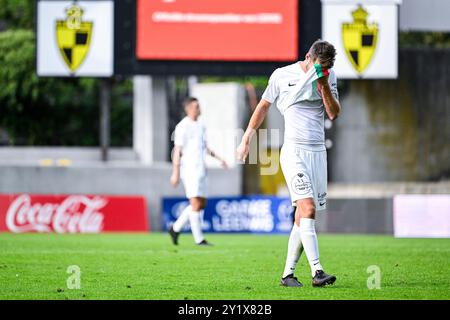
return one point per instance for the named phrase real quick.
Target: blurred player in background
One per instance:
(189, 165)
(303, 92)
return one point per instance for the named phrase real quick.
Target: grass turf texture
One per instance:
(148, 266)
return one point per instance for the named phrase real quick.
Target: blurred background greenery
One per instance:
(50, 111)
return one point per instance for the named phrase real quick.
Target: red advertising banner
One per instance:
(222, 30)
(72, 213)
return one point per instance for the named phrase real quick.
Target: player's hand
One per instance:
(322, 72)
(242, 151)
(224, 164)
(174, 180)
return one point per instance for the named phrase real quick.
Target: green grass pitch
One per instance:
(148, 266)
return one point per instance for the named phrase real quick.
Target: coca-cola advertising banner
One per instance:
(72, 213)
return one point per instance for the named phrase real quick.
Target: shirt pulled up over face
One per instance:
(297, 95)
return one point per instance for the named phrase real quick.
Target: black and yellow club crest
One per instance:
(360, 39)
(74, 37)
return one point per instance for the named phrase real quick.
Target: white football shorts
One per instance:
(195, 185)
(305, 172)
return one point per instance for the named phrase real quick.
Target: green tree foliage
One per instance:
(17, 13)
(424, 39)
(53, 111)
(259, 82)
(50, 111)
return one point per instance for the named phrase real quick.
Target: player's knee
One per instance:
(309, 211)
(197, 204)
(194, 204)
(297, 216)
(297, 219)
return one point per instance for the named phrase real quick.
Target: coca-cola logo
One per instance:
(75, 214)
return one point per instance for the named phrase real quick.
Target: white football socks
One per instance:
(195, 218)
(310, 244)
(294, 251)
(182, 219)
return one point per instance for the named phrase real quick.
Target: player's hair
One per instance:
(324, 51)
(187, 101)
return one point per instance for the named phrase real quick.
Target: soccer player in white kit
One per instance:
(303, 92)
(189, 164)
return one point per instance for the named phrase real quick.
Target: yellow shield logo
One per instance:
(360, 39)
(74, 37)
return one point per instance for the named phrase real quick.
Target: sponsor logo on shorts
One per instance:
(322, 197)
(300, 184)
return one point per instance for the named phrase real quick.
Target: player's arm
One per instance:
(214, 155)
(269, 96)
(176, 160)
(255, 122)
(331, 103)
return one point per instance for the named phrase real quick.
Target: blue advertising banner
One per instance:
(254, 214)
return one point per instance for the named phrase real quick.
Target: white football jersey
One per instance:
(297, 96)
(191, 137)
